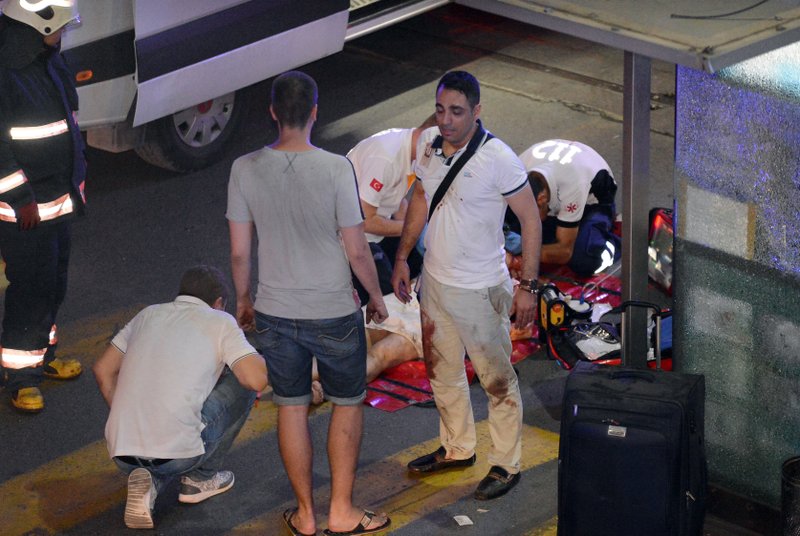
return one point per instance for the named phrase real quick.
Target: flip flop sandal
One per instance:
(361, 528)
(287, 518)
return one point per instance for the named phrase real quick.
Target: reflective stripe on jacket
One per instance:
(41, 147)
(39, 132)
(47, 211)
(12, 181)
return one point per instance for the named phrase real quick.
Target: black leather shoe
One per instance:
(435, 461)
(498, 482)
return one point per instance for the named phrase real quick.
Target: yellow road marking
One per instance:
(80, 485)
(549, 528)
(387, 486)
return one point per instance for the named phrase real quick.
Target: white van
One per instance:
(164, 77)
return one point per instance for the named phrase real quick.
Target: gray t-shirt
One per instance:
(298, 202)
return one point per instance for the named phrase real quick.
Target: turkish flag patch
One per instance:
(376, 185)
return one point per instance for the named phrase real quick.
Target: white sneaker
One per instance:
(596, 340)
(141, 498)
(194, 491)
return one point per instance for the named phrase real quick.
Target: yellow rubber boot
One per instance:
(28, 399)
(63, 369)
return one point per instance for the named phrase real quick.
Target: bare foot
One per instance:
(295, 524)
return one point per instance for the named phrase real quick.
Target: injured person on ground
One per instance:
(397, 340)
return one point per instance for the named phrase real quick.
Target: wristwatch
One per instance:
(529, 285)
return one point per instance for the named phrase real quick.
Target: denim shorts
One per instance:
(339, 344)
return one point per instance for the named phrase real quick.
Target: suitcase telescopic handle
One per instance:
(632, 374)
(621, 308)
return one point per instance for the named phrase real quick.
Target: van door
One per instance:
(190, 51)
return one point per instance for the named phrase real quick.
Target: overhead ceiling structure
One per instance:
(707, 35)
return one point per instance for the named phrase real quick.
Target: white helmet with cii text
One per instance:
(47, 16)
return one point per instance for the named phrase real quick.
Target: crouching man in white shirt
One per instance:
(180, 379)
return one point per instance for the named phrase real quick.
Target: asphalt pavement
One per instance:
(146, 225)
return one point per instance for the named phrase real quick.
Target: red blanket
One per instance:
(407, 384)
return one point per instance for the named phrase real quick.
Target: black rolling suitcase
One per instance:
(631, 452)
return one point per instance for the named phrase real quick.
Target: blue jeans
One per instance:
(224, 413)
(289, 346)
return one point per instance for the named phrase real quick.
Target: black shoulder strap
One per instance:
(476, 141)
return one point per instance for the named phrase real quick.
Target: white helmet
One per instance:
(46, 16)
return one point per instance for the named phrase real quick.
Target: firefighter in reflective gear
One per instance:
(42, 169)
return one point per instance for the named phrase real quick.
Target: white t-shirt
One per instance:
(174, 355)
(383, 164)
(464, 240)
(569, 167)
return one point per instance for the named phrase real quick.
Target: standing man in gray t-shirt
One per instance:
(303, 204)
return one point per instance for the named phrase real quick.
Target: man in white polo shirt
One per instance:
(467, 295)
(382, 164)
(180, 379)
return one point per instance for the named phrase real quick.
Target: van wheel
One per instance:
(193, 138)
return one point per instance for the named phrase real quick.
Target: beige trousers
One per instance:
(455, 319)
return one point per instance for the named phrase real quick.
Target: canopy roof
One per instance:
(707, 34)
